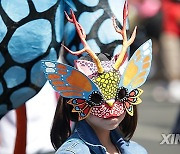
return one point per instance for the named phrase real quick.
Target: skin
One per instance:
(102, 129)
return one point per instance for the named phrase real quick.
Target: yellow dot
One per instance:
(106, 81)
(112, 78)
(106, 76)
(102, 80)
(112, 89)
(108, 97)
(110, 73)
(102, 76)
(98, 79)
(115, 79)
(113, 82)
(106, 90)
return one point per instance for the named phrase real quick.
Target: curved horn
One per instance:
(86, 48)
(126, 43)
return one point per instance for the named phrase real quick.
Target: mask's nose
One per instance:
(110, 102)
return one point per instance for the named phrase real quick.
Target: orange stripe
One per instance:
(137, 82)
(146, 59)
(20, 143)
(146, 65)
(62, 72)
(57, 83)
(64, 88)
(69, 94)
(138, 58)
(61, 66)
(138, 53)
(142, 74)
(53, 76)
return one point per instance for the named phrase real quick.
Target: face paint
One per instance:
(105, 111)
(102, 88)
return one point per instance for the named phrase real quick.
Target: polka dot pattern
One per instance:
(104, 111)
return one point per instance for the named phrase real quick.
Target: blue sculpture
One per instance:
(33, 30)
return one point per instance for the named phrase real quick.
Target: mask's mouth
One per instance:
(105, 111)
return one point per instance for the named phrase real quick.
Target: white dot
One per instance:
(146, 46)
(49, 64)
(147, 52)
(50, 70)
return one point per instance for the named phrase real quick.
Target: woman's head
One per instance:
(61, 128)
(93, 85)
(125, 123)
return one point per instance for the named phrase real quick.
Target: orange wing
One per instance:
(68, 81)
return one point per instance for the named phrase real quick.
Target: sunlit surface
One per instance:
(157, 116)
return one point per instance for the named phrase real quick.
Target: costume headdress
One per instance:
(99, 87)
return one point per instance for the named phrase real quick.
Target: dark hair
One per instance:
(61, 129)
(128, 125)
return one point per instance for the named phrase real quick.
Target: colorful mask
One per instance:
(101, 87)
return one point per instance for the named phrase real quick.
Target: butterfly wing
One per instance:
(136, 74)
(81, 107)
(138, 67)
(134, 96)
(129, 108)
(68, 81)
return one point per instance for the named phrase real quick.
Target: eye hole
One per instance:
(95, 99)
(122, 94)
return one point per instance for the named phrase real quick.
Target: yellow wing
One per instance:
(138, 67)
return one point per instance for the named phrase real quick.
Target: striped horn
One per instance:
(126, 42)
(86, 48)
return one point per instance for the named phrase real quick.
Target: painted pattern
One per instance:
(108, 82)
(95, 18)
(29, 32)
(33, 30)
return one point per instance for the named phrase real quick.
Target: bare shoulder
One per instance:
(73, 146)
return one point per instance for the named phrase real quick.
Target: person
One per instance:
(94, 134)
(170, 38)
(99, 96)
(36, 44)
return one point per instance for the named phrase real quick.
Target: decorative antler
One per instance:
(86, 48)
(126, 43)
